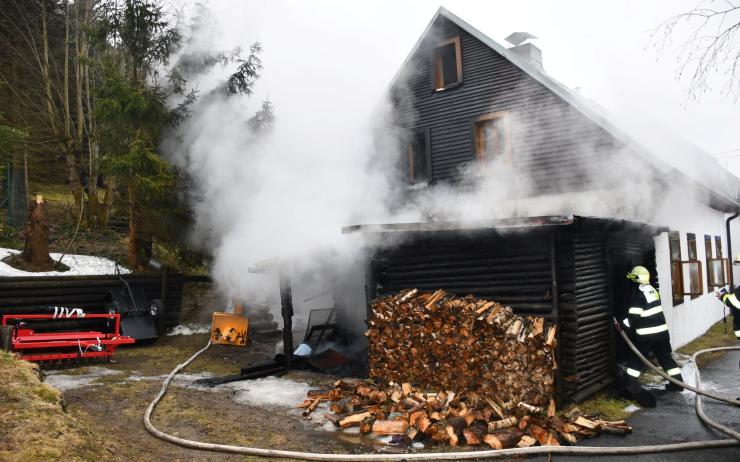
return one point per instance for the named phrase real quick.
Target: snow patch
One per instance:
(64, 382)
(632, 408)
(270, 391)
(79, 265)
(189, 329)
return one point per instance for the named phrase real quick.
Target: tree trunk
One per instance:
(133, 247)
(107, 205)
(36, 249)
(65, 139)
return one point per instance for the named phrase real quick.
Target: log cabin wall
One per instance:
(550, 140)
(24, 295)
(512, 268)
(586, 351)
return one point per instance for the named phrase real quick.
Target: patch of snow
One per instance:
(632, 408)
(79, 265)
(270, 391)
(63, 382)
(190, 329)
(384, 439)
(351, 430)
(328, 426)
(417, 445)
(267, 391)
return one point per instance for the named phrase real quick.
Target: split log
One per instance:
(530, 409)
(390, 427)
(526, 441)
(471, 438)
(503, 439)
(307, 412)
(353, 420)
(545, 437)
(584, 422)
(499, 424)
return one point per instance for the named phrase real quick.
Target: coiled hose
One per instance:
(492, 453)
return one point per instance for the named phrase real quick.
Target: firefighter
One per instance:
(647, 324)
(732, 300)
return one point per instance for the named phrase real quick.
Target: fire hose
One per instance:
(493, 453)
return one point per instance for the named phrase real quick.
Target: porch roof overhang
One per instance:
(612, 224)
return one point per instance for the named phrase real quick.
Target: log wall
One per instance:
(20, 295)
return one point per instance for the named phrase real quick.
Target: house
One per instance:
(585, 197)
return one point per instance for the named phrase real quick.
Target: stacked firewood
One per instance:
(445, 417)
(438, 341)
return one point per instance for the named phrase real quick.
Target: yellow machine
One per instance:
(230, 328)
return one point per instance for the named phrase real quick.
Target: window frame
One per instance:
(718, 246)
(724, 266)
(674, 238)
(505, 117)
(426, 133)
(692, 250)
(438, 69)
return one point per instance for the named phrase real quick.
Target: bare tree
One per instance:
(711, 48)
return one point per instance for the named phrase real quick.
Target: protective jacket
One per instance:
(645, 315)
(732, 300)
(646, 320)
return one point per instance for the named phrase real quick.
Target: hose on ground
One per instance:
(467, 455)
(699, 409)
(662, 373)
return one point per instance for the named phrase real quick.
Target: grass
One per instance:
(712, 338)
(607, 406)
(35, 426)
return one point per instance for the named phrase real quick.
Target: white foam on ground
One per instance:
(190, 329)
(63, 382)
(79, 265)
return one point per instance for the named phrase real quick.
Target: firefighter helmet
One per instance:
(639, 274)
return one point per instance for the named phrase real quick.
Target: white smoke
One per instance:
(332, 157)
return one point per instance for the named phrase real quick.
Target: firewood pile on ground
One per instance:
(447, 418)
(454, 371)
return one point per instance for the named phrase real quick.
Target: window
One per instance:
(674, 243)
(692, 274)
(718, 246)
(717, 267)
(708, 256)
(419, 157)
(492, 138)
(447, 65)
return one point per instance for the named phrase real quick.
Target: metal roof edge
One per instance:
(518, 222)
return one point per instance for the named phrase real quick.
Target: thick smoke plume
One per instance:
(331, 159)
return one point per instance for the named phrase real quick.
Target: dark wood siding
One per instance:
(551, 140)
(24, 295)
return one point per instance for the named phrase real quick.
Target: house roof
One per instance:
(665, 150)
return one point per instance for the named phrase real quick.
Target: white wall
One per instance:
(693, 317)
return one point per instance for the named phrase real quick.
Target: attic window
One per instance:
(447, 64)
(492, 138)
(419, 157)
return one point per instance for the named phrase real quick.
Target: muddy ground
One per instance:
(113, 396)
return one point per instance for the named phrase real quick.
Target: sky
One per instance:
(602, 47)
